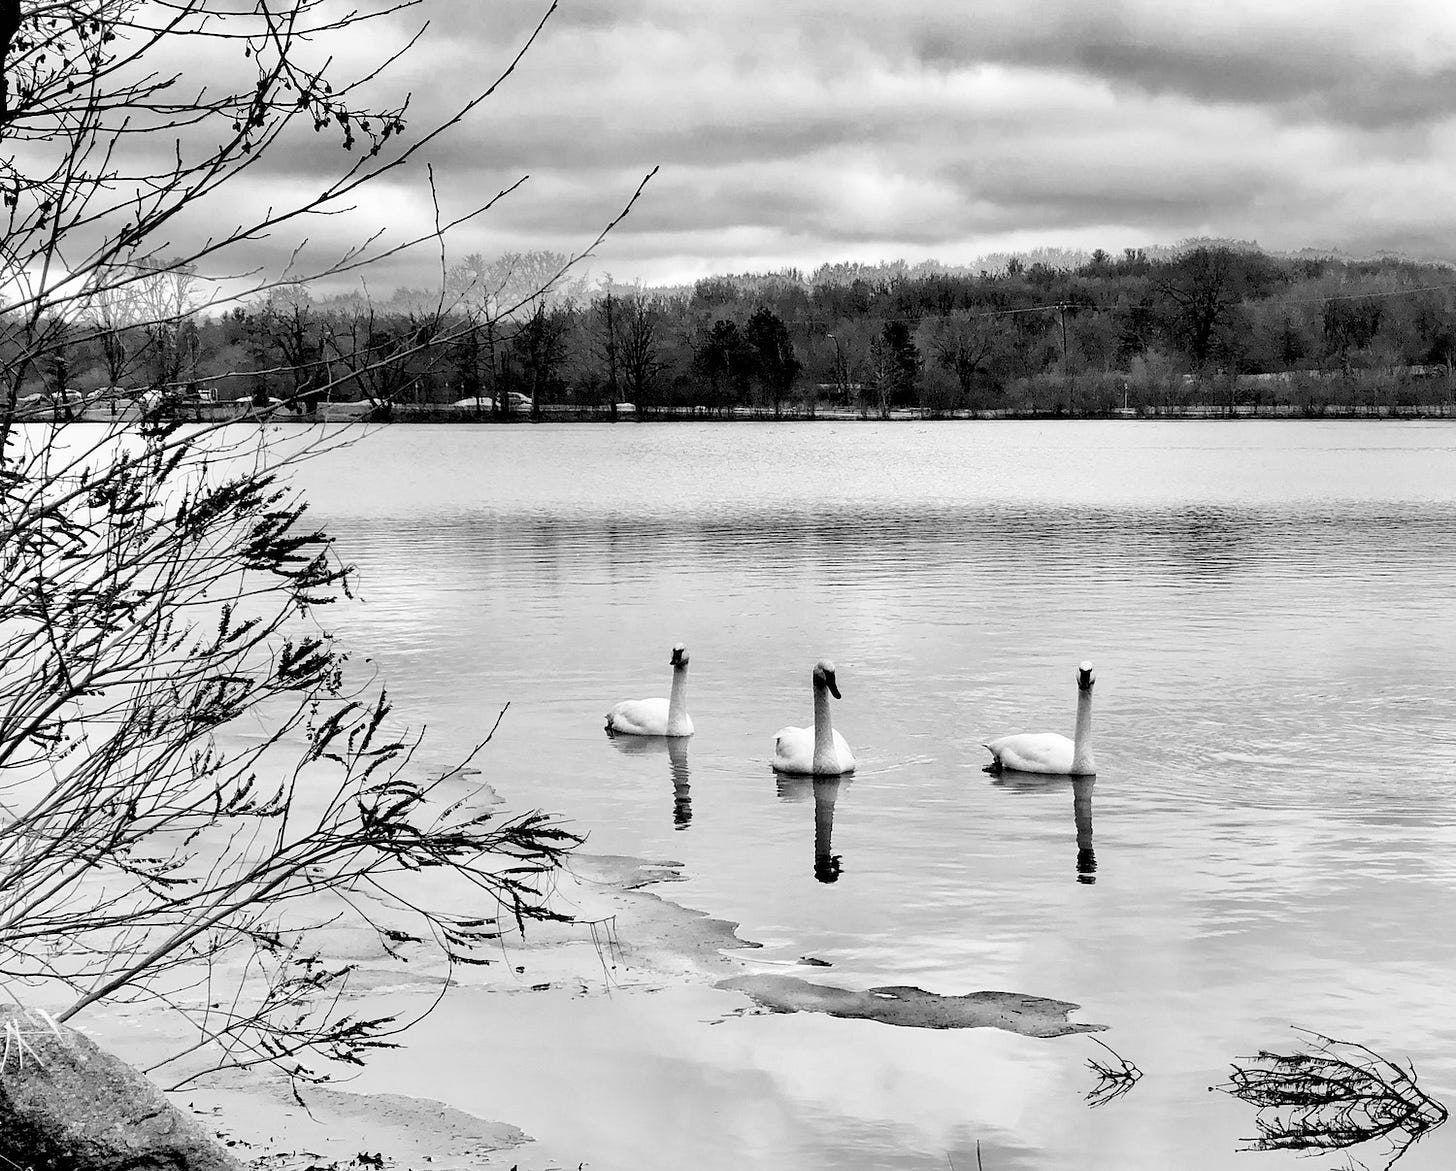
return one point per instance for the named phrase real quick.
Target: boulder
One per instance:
(68, 1105)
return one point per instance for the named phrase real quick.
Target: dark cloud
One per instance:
(1005, 198)
(791, 132)
(1299, 68)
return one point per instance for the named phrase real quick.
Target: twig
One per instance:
(1113, 1081)
(1334, 1096)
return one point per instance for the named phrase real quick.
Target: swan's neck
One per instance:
(825, 758)
(677, 700)
(1082, 762)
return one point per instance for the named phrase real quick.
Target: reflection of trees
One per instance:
(1195, 544)
(1213, 540)
(1334, 1097)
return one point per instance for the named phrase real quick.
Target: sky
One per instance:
(793, 133)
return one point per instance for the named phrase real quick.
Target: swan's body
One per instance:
(820, 750)
(657, 716)
(1049, 752)
(1033, 752)
(794, 752)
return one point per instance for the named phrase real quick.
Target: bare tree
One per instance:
(387, 359)
(154, 602)
(511, 307)
(191, 781)
(963, 345)
(538, 346)
(1203, 291)
(166, 295)
(894, 368)
(112, 312)
(116, 155)
(606, 319)
(287, 331)
(640, 349)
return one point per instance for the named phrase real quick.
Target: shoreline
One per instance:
(444, 415)
(627, 941)
(410, 413)
(624, 939)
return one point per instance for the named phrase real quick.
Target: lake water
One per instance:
(1272, 828)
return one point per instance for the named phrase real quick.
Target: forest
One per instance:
(1203, 324)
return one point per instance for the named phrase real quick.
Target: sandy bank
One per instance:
(628, 941)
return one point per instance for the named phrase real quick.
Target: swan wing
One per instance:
(794, 750)
(1032, 752)
(639, 717)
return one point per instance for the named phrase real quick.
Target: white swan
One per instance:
(819, 750)
(657, 717)
(1050, 752)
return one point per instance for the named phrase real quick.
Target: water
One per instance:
(1272, 828)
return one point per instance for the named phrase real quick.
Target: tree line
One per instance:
(525, 333)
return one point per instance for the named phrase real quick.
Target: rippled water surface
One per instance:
(1270, 840)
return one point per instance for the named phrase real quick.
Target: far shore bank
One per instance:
(442, 414)
(406, 413)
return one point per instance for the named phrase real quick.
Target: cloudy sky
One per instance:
(798, 132)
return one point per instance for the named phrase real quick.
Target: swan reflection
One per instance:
(1081, 810)
(676, 748)
(1082, 815)
(827, 865)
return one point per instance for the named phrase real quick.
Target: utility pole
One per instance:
(839, 369)
(607, 309)
(1062, 308)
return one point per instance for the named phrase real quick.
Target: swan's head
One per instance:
(1085, 677)
(679, 655)
(824, 677)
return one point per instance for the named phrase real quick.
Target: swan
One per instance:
(1050, 752)
(819, 750)
(657, 717)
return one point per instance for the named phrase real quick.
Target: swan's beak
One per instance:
(678, 658)
(833, 687)
(1085, 677)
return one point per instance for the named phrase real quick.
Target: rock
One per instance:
(68, 1105)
